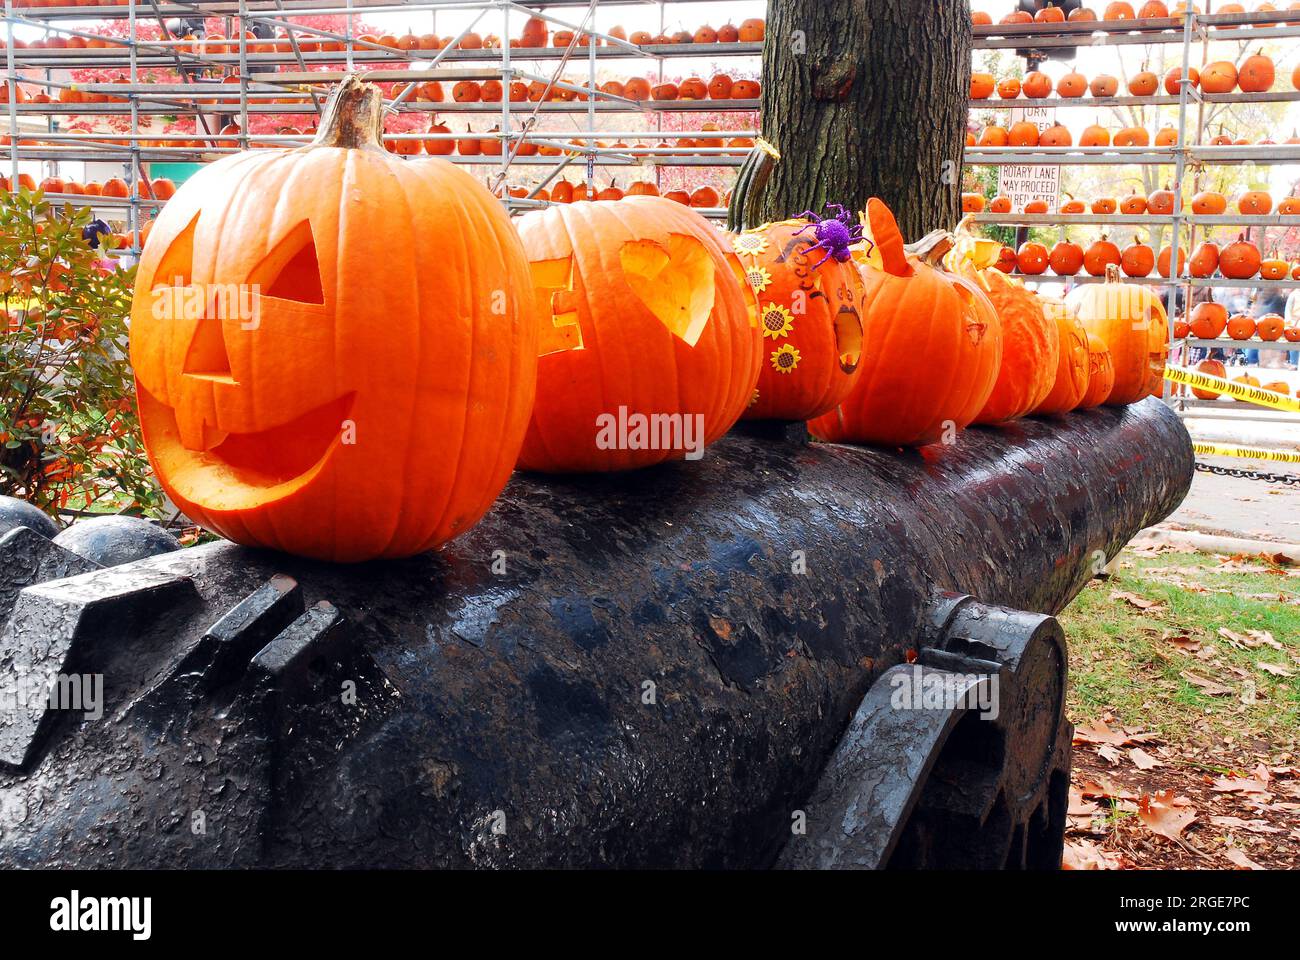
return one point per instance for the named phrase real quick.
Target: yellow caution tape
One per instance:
(1248, 453)
(1238, 391)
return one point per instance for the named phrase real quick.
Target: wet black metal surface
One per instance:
(607, 671)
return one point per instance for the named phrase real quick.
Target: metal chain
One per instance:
(1292, 479)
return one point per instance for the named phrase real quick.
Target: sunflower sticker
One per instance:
(758, 278)
(750, 243)
(785, 358)
(776, 320)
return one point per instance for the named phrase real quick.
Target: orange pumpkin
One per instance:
(1071, 381)
(1030, 350)
(1132, 322)
(810, 312)
(1166, 254)
(1066, 258)
(274, 425)
(1036, 85)
(1031, 258)
(1209, 203)
(1103, 85)
(1205, 260)
(1101, 256)
(1072, 85)
(1269, 327)
(1094, 135)
(1208, 320)
(1101, 373)
(1219, 77)
(1241, 326)
(1137, 260)
(911, 304)
(1239, 260)
(1256, 74)
(1272, 268)
(1255, 203)
(645, 316)
(1212, 368)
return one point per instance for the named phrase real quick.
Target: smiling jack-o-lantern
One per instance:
(335, 349)
(650, 345)
(809, 310)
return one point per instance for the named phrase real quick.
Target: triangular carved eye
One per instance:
(291, 270)
(176, 269)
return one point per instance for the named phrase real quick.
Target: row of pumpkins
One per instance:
(1160, 203)
(1255, 74)
(363, 417)
(1120, 10)
(1239, 260)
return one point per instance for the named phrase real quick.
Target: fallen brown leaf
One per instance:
(1166, 815)
(1242, 861)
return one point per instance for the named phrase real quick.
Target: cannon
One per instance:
(691, 666)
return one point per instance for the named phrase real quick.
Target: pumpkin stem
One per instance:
(888, 239)
(932, 248)
(354, 116)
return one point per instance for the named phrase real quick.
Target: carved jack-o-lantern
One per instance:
(650, 347)
(809, 307)
(335, 349)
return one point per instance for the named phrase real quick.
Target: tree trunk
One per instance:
(867, 98)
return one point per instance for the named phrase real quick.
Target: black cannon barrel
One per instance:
(649, 669)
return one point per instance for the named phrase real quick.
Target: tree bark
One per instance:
(867, 98)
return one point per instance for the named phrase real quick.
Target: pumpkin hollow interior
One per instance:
(243, 470)
(675, 284)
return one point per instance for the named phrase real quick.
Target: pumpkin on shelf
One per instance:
(1137, 260)
(1101, 256)
(1218, 77)
(1239, 260)
(1205, 259)
(1101, 373)
(1208, 320)
(1133, 324)
(1066, 258)
(911, 302)
(1032, 258)
(1273, 268)
(277, 429)
(810, 311)
(1094, 135)
(1008, 88)
(1209, 203)
(1072, 85)
(1166, 255)
(1269, 327)
(645, 321)
(972, 203)
(1212, 368)
(1241, 326)
(1256, 74)
(1255, 203)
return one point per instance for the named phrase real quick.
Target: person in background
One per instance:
(1292, 317)
(1267, 301)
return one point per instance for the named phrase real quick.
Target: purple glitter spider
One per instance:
(834, 234)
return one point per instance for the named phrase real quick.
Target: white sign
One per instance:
(1023, 182)
(1042, 117)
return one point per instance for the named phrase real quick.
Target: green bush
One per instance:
(69, 434)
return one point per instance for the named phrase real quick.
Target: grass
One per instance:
(1132, 664)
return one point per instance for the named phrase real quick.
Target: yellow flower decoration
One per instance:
(777, 321)
(753, 397)
(758, 278)
(785, 359)
(750, 243)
